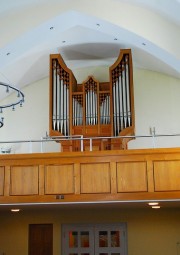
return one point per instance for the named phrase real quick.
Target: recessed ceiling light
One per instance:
(156, 206)
(15, 210)
(153, 203)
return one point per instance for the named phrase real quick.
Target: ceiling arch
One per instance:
(86, 35)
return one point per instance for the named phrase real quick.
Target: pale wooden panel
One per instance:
(77, 178)
(41, 180)
(7, 181)
(150, 176)
(167, 175)
(95, 178)
(132, 177)
(24, 180)
(59, 179)
(1, 180)
(113, 177)
(94, 148)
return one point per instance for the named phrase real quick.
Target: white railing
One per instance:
(53, 144)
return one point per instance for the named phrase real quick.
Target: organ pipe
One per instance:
(122, 94)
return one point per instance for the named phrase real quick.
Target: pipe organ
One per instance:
(92, 109)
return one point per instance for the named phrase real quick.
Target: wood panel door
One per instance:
(41, 239)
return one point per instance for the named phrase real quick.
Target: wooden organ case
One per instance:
(102, 111)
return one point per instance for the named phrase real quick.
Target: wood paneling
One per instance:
(59, 179)
(95, 178)
(167, 175)
(119, 175)
(24, 180)
(131, 177)
(1, 181)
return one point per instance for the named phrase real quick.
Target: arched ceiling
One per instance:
(86, 34)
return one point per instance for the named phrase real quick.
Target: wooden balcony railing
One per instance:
(130, 175)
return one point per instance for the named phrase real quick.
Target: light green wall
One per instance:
(150, 231)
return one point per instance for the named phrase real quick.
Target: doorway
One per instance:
(41, 239)
(94, 239)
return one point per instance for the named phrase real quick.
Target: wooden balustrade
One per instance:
(90, 176)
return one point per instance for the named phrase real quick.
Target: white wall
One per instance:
(157, 105)
(30, 122)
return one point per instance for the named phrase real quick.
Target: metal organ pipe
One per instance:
(121, 96)
(77, 110)
(104, 108)
(87, 110)
(74, 113)
(60, 93)
(128, 95)
(91, 102)
(123, 99)
(54, 96)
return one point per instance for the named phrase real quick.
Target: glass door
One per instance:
(110, 240)
(94, 239)
(78, 240)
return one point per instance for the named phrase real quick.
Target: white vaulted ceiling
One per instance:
(86, 34)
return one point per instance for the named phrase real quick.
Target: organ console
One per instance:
(101, 110)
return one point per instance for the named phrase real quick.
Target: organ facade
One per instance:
(92, 109)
